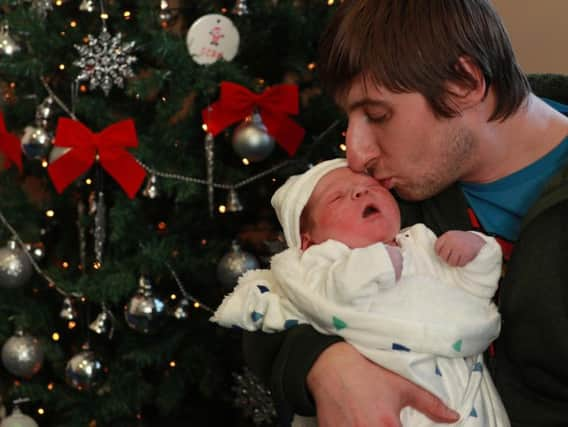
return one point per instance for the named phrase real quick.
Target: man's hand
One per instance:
(351, 391)
(458, 248)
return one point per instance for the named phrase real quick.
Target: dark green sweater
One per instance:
(531, 364)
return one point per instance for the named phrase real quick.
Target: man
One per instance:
(440, 113)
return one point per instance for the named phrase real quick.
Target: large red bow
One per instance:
(10, 146)
(110, 145)
(275, 103)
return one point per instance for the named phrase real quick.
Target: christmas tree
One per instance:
(141, 143)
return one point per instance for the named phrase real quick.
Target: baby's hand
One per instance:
(458, 248)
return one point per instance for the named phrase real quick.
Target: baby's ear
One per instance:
(306, 241)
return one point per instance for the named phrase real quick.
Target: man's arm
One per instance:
(350, 390)
(347, 388)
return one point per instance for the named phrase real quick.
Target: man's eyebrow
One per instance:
(364, 102)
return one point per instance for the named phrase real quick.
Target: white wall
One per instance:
(539, 33)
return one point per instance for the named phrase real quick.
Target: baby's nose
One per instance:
(360, 192)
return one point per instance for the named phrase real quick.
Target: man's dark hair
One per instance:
(415, 46)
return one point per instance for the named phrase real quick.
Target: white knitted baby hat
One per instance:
(289, 200)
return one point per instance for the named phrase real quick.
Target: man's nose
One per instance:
(361, 148)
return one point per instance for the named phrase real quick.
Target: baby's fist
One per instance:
(457, 248)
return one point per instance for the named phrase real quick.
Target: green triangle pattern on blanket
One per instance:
(457, 345)
(338, 323)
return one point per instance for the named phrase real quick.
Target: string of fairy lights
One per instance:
(152, 174)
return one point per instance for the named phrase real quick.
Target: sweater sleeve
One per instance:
(532, 351)
(283, 361)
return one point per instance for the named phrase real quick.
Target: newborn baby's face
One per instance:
(352, 208)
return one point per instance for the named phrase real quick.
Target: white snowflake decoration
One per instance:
(105, 61)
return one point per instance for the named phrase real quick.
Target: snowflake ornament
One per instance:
(105, 61)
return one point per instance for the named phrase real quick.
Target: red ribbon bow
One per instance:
(275, 103)
(10, 146)
(110, 145)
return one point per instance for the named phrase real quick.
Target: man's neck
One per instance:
(505, 147)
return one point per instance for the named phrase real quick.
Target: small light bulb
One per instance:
(246, 161)
(55, 336)
(196, 304)
(222, 209)
(50, 213)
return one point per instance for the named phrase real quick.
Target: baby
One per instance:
(414, 303)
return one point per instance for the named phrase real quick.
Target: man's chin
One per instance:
(413, 195)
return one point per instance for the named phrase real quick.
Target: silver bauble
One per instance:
(151, 191)
(84, 371)
(7, 44)
(181, 311)
(145, 312)
(15, 266)
(36, 142)
(101, 324)
(45, 112)
(251, 140)
(234, 264)
(240, 8)
(87, 6)
(68, 311)
(22, 355)
(18, 419)
(166, 16)
(233, 202)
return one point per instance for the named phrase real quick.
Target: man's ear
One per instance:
(306, 241)
(465, 95)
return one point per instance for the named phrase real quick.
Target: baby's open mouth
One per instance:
(370, 210)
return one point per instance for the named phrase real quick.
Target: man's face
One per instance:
(351, 208)
(397, 139)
